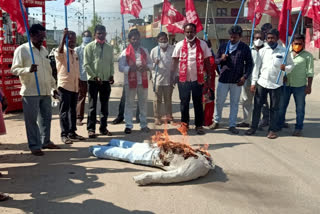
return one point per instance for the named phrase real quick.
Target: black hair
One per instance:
(35, 28)
(299, 37)
(72, 32)
(266, 27)
(274, 32)
(133, 32)
(99, 28)
(235, 29)
(257, 32)
(191, 25)
(162, 34)
(87, 31)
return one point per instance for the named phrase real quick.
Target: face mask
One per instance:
(163, 45)
(258, 43)
(191, 40)
(273, 45)
(297, 48)
(86, 40)
(101, 41)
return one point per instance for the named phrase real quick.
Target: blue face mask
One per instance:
(273, 45)
(86, 40)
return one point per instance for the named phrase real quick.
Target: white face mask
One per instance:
(163, 45)
(258, 42)
(191, 40)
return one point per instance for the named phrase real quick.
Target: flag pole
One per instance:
(288, 47)
(157, 66)
(67, 38)
(29, 41)
(123, 32)
(237, 19)
(287, 33)
(205, 32)
(252, 30)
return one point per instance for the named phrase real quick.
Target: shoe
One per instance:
(272, 135)
(157, 122)
(297, 133)
(137, 120)
(250, 131)
(200, 130)
(4, 196)
(214, 126)
(51, 146)
(75, 136)
(127, 131)
(117, 120)
(66, 140)
(37, 152)
(92, 134)
(285, 125)
(233, 130)
(106, 132)
(243, 124)
(263, 123)
(145, 130)
(79, 122)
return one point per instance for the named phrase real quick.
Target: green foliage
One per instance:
(98, 22)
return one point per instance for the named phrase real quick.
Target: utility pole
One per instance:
(83, 2)
(94, 13)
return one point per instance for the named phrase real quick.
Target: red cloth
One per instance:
(132, 7)
(132, 75)
(209, 106)
(282, 27)
(67, 2)
(172, 18)
(12, 7)
(184, 62)
(192, 15)
(257, 7)
(2, 125)
(313, 13)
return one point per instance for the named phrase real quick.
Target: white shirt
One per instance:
(164, 70)
(267, 67)
(124, 67)
(21, 65)
(192, 62)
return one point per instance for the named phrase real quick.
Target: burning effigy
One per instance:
(180, 161)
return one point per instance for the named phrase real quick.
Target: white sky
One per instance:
(107, 9)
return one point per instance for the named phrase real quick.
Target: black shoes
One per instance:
(117, 120)
(127, 131)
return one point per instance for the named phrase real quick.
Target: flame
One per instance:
(182, 148)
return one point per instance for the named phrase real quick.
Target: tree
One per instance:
(98, 22)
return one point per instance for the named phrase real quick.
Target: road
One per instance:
(253, 174)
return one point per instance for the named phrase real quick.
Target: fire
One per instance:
(181, 148)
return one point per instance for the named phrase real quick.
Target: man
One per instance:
(164, 85)
(236, 67)
(246, 95)
(68, 86)
(299, 83)
(83, 82)
(36, 108)
(264, 81)
(98, 63)
(192, 55)
(135, 63)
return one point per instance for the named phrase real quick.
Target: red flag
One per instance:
(172, 18)
(314, 14)
(132, 7)
(282, 27)
(67, 2)
(262, 6)
(12, 7)
(192, 15)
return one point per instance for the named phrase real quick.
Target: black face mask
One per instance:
(273, 45)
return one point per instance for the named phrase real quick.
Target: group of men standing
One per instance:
(246, 73)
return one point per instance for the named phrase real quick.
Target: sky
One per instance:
(109, 10)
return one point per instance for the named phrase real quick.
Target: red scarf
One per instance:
(131, 60)
(184, 62)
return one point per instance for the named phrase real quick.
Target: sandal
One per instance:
(51, 146)
(37, 152)
(106, 132)
(92, 134)
(66, 140)
(4, 196)
(200, 130)
(75, 136)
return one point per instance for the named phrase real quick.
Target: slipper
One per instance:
(51, 146)
(91, 134)
(106, 132)
(37, 152)
(66, 140)
(75, 136)
(4, 196)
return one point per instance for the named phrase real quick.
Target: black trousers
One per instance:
(259, 99)
(185, 90)
(68, 111)
(122, 105)
(104, 90)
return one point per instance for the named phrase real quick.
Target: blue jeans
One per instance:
(37, 112)
(299, 96)
(222, 92)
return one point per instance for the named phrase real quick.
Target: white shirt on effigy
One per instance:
(192, 62)
(267, 67)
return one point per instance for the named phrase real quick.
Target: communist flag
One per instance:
(12, 7)
(192, 15)
(67, 2)
(172, 18)
(132, 7)
(258, 7)
(282, 27)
